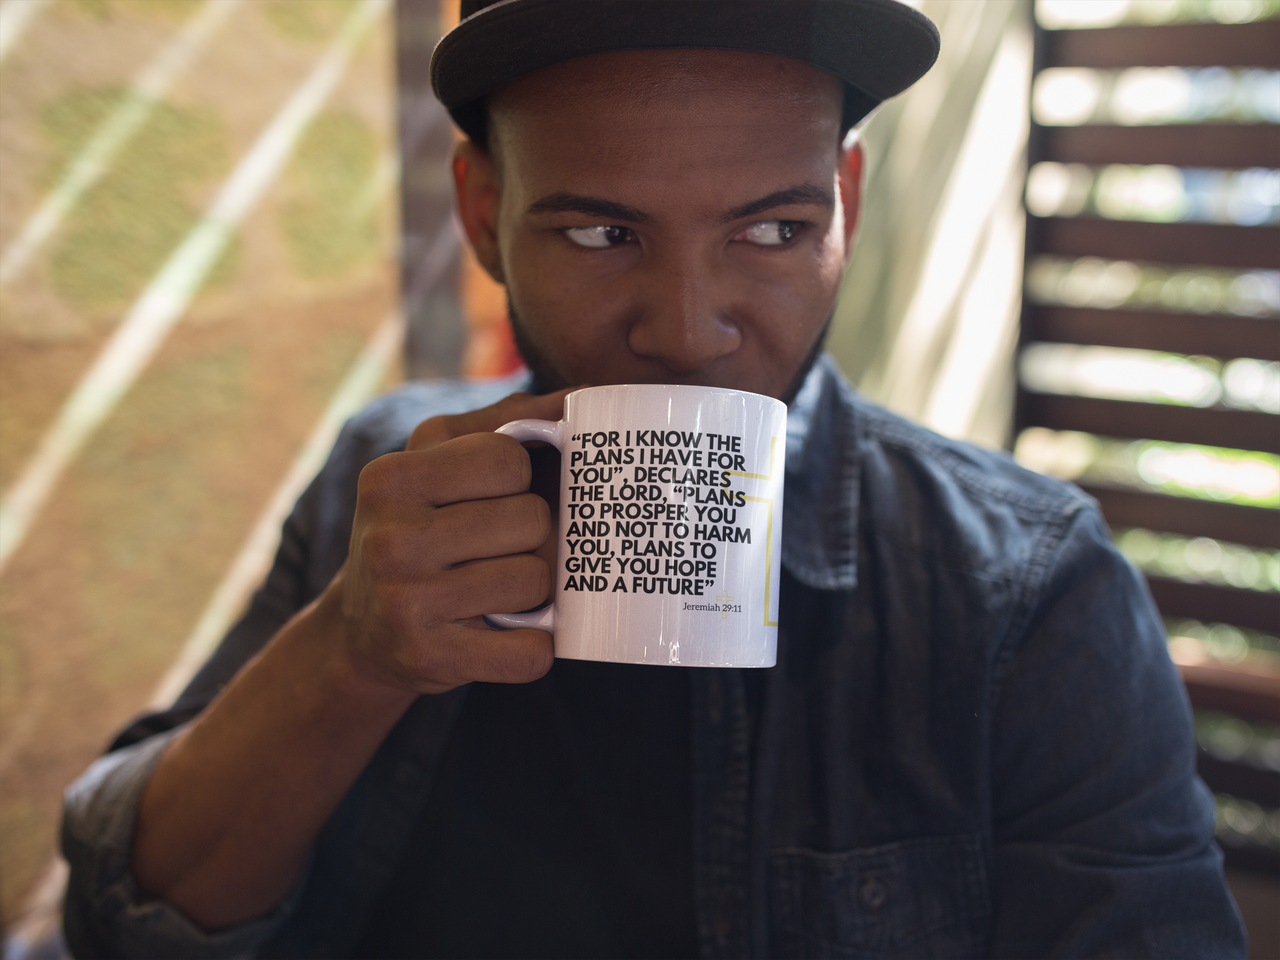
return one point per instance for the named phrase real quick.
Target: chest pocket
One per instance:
(914, 898)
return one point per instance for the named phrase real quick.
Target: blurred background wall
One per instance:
(946, 165)
(224, 224)
(198, 275)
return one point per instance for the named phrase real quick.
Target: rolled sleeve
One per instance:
(106, 915)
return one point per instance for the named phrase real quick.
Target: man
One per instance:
(973, 744)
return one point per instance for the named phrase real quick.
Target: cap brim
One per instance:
(877, 47)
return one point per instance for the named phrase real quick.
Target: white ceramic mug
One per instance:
(670, 526)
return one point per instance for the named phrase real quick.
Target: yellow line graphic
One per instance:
(773, 444)
(768, 536)
(768, 556)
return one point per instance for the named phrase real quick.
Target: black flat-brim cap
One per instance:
(877, 47)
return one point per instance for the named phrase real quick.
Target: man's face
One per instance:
(670, 216)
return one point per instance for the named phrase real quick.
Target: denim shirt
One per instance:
(974, 743)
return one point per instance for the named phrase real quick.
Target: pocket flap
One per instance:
(911, 898)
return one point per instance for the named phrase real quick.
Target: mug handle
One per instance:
(551, 432)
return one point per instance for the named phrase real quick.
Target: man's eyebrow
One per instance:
(805, 193)
(591, 206)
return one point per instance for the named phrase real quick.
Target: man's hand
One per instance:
(445, 532)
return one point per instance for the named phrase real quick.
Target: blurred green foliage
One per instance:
(307, 20)
(330, 222)
(162, 9)
(127, 225)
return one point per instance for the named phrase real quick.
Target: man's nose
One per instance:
(686, 319)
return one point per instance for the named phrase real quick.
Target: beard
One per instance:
(547, 378)
(806, 366)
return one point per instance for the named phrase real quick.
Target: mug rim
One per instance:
(670, 386)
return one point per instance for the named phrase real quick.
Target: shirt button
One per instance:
(872, 893)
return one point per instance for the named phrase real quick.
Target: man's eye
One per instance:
(598, 236)
(769, 233)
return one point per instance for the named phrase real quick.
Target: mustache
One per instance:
(547, 378)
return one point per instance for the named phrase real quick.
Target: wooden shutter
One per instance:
(1224, 145)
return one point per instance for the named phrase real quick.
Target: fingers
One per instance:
(414, 610)
(457, 533)
(518, 406)
(497, 528)
(508, 656)
(444, 533)
(437, 639)
(500, 585)
(477, 653)
(473, 467)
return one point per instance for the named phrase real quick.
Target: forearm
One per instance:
(236, 801)
(443, 532)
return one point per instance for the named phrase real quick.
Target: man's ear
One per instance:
(849, 166)
(475, 187)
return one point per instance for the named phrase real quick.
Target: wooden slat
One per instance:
(1222, 146)
(1210, 244)
(1225, 145)
(1242, 429)
(1234, 522)
(1241, 693)
(1239, 779)
(1214, 335)
(1167, 45)
(1257, 609)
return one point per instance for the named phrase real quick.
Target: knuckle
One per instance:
(522, 662)
(430, 661)
(509, 407)
(396, 609)
(438, 661)
(432, 607)
(509, 461)
(539, 657)
(524, 515)
(381, 551)
(529, 578)
(432, 432)
(394, 629)
(534, 513)
(378, 479)
(536, 658)
(423, 649)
